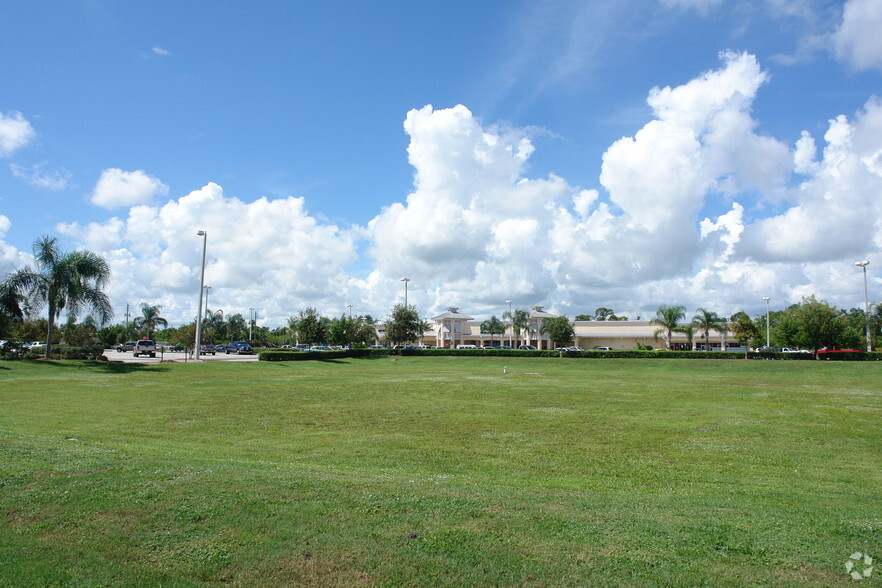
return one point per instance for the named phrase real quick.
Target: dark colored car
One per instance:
(176, 348)
(239, 348)
(207, 349)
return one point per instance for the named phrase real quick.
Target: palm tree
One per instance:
(63, 281)
(520, 322)
(150, 319)
(667, 318)
(706, 321)
(492, 326)
(688, 330)
(423, 327)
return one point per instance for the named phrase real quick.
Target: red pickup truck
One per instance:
(835, 352)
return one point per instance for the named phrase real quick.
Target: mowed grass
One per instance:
(439, 471)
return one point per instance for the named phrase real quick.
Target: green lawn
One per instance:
(439, 471)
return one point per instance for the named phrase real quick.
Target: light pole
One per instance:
(250, 322)
(350, 310)
(864, 264)
(405, 280)
(207, 292)
(766, 298)
(204, 235)
(510, 318)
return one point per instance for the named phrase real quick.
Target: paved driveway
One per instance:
(179, 356)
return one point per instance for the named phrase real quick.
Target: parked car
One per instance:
(144, 347)
(207, 349)
(127, 346)
(602, 349)
(239, 348)
(176, 348)
(320, 348)
(527, 347)
(466, 346)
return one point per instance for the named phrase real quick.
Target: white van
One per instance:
(463, 346)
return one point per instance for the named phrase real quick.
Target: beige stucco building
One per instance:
(453, 328)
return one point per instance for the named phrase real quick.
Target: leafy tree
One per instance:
(84, 333)
(149, 319)
(63, 281)
(706, 321)
(493, 326)
(111, 335)
(310, 327)
(819, 324)
(559, 329)
(339, 331)
(184, 335)
(236, 328)
(603, 313)
(667, 318)
(403, 326)
(743, 328)
(584, 317)
(351, 330)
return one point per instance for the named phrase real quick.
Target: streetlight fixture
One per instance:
(766, 298)
(250, 322)
(511, 318)
(864, 264)
(350, 310)
(405, 280)
(204, 235)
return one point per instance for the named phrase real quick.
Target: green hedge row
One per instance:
(284, 355)
(278, 355)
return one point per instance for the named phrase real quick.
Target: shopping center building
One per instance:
(453, 328)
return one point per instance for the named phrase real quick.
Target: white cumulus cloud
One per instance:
(857, 39)
(267, 254)
(15, 132)
(117, 188)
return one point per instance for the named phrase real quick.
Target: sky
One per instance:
(573, 154)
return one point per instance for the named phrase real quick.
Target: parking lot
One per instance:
(178, 356)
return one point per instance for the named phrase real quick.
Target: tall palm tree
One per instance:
(492, 326)
(667, 318)
(150, 319)
(520, 322)
(706, 321)
(70, 281)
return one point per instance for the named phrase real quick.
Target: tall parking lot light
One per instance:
(864, 264)
(204, 235)
(510, 318)
(766, 298)
(250, 322)
(405, 280)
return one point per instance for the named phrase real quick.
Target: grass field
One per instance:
(439, 471)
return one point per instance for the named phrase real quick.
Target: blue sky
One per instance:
(543, 172)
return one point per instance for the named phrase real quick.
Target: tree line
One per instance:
(74, 282)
